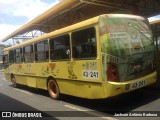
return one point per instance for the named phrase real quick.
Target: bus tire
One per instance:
(53, 89)
(13, 80)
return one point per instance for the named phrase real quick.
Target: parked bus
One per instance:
(97, 58)
(156, 37)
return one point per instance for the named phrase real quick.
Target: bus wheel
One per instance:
(53, 89)
(13, 80)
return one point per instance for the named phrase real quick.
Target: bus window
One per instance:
(18, 55)
(41, 51)
(158, 43)
(84, 44)
(11, 56)
(28, 53)
(5, 61)
(60, 48)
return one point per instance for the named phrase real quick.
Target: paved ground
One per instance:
(22, 99)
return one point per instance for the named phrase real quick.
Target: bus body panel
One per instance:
(90, 90)
(85, 70)
(21, 79)
(82, 78)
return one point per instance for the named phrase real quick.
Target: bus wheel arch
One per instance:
(13, 80)
(53, 88)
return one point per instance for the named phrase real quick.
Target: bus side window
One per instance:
(75, 52)
(28, 53)
(41, 51)
(60, 48)
(11, 56)
(18, 55)
(158, 43)
(84, 44)
(5, 61)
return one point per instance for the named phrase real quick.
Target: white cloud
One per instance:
(8, 1)
(26, 8)
(7, 29)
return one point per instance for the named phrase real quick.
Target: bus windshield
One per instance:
(130, 40)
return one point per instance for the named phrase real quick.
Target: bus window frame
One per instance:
(21, 55)
(5, 64)
(35, 51)
(158, 42)
(85, 28)
(32, 52)
(70, 45)
(9, 60)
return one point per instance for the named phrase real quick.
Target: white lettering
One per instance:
(34, 115)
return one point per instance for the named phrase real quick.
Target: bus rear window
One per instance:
(127, 42)
(125, 36)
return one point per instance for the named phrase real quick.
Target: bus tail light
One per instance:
(112, 72)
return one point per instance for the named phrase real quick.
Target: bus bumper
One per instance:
(116, 88)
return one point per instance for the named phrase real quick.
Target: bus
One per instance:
(156, 37)
(101, 57)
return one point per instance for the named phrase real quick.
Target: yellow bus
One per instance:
(97, 58)
(156, 37)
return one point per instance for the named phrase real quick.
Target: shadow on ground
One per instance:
(123, 103)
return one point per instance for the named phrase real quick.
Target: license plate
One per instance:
(137, 85)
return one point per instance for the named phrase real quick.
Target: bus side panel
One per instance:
(32, 81)
(21, 79)
(7, 74)
(88, 90)
(41, 83)
(81, 78)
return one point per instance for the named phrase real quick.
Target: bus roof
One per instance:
(69, 12)
(155, 25)
(155, 22)
(70, 28)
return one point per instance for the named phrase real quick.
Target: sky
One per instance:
(157, 17)
(15, 13)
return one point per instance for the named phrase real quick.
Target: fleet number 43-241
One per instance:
(90, 74)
